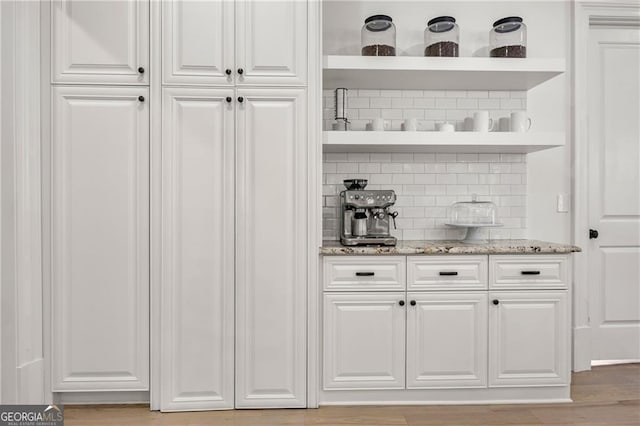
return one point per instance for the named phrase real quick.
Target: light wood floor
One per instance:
(608, 395)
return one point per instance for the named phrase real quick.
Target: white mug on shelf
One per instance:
(482, 122)
(379, 125)
(410, 125)
(520, 122)
(503, 124)
(445, 127)
(468, 124)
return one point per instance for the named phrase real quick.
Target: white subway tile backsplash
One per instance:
(428, 183)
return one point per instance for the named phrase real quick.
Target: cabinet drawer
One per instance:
(447, 273)
(357, 273)
(528, 271)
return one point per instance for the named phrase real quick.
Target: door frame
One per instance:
(585, 15)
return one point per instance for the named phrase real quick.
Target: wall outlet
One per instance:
(563, 203)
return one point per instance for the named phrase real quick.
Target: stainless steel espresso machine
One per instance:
(365, 218)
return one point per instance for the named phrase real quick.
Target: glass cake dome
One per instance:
(472, 215)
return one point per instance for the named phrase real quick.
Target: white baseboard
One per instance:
(598, 363)
(581, 348)
(31, 382)
(83, 398)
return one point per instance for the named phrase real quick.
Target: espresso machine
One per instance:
(365, 218)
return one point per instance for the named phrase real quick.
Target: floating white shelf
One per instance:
(411, 72)
(472, 142)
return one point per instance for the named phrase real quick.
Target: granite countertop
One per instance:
(452, 247)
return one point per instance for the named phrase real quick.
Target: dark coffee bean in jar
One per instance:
(442, 48)
(379, 50)
(516, 51)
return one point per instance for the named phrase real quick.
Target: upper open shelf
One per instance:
(411, 72)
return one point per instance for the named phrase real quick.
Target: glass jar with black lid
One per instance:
(508, 38)
(378, 36)
(441, 37)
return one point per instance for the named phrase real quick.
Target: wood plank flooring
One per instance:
(607, 395)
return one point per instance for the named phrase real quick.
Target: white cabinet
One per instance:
(364, 340)
(198, 42)
(271, 42)
(242, 42)
(197, 249)
(271, 250)
(100, 41)
(100, 239)
(528, 338)
(446, 340)
(357, 273)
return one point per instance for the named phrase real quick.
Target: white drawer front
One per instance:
(359, 273)
(528, 271)
(447, 273)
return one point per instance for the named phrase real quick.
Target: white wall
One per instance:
(549, 30)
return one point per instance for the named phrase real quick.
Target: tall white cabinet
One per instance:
(100, 238)
(234, 204)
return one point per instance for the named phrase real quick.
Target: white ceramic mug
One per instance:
(468, 124)
(520, 122)
(482, 122)
(379, 124)
(445, 127)
(504, 124)
(410, 125)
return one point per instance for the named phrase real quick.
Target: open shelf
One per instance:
(471, 142)
(411, 72)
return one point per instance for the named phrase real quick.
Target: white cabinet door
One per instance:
(100, 41)
(364, 340)
(197, 249)
(528, 338)
(446, 340)
(271, 42)
(100, 239)
(197, 42)
(271, 253)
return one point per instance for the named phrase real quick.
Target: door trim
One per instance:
(586, 14)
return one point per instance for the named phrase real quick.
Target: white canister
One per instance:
(504, 124)
(445, 127)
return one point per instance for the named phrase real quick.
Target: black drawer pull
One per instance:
(448, 273)
(530, 272)
(365, 274)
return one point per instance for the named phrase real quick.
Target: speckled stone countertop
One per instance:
(452, 247)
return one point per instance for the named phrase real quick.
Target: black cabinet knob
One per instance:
(141, 98)
(140, 70)
(228, 99)
(240, 99)
(496, 301)
(227, 71)
(413, 303)
(240, 71)
(593, 234)
(401, 303)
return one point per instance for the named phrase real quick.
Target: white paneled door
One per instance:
(271, 42)
(528, 338)
(446, 340)
(614, 192)
(197, 39)
(103, 41)
(100, 238)
(197, 249)
(364, 340)
(271, 254)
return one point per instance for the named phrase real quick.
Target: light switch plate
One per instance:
(563, 206)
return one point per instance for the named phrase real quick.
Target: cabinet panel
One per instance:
(359, 273)
(100, 41)
(100, 239)
(197, 42)
(364, 341)
(447, 272)
(528, 271)
(528, 338)
(271, 254)
(271, 42)
(197, 242)
(446, 340)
